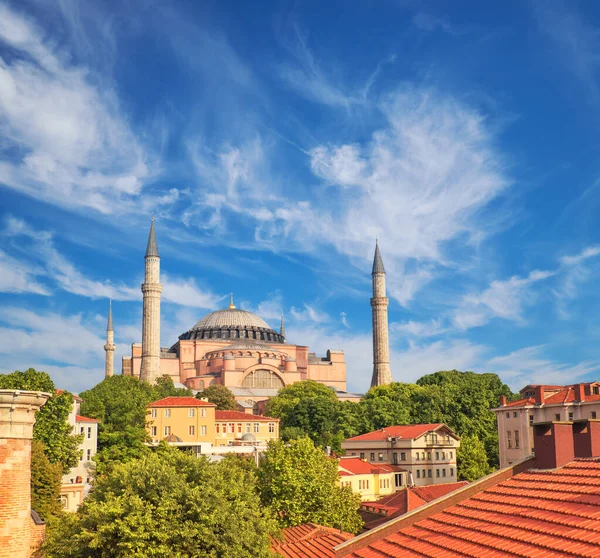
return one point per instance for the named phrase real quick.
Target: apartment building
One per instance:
(370, 480)
(539, 404)
(426, 451)
(235, 426)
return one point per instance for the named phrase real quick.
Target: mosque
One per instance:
(239, 349)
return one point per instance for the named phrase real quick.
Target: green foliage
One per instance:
(220, 395)
(472, 459)
(300, 484)
(170, 504)
(51, 421)
(119, 402)
(45, 483)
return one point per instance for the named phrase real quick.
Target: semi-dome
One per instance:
(233, 323)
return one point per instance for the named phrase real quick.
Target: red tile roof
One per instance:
(239, 415)
(79, 418)
(521, 402)
(180, 402)
(565, 395)
(410, 432)
(309, 541)
(356, 466)
(536, 513)
(433, 491)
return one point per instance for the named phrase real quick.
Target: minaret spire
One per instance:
(231, 304)
(109, 347)
(151, 289)
(282, 328)
(382, 373)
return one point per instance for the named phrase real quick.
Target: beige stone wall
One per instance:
(151, 289)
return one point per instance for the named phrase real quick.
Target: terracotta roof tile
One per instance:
(310, 541)
(537, 513)
(433, 491)
(79, 418)
(239, 415)
(410, 431)
(180, 402)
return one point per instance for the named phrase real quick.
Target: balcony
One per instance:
(441, 442)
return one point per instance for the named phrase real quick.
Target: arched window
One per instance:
(265, 379)
(201, 384)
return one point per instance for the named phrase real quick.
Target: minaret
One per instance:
(151, 287)
(110, 345)
(282, 328)
(382, 374)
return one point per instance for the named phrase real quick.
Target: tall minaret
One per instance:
(382, 374)
(151, 287)
(109, 368)
(282, 328)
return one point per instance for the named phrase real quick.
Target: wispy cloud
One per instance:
(309, 314)
(19, 277)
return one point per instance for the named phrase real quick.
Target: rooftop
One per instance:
(181, 402)
(309, 541)
(409, 432)
(357, 466)
(79, 418)
(533, 513)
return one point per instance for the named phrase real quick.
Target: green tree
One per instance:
(220, 395)
(169, 504)
(389, 405)
(300, 484)
(472, 460)
(51, 421)
(45, 483)
(165, 387)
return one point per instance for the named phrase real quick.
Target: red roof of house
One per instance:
(180, 401)
(357, 466)
(309, 541)
(521, 402)
(433, 491)
(79, 418)
(410, 431)
(534, 513)
(565, 395)
(239, 415)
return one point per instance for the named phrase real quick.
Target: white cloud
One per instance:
(344, 319)
(77, 148)
(309, 314)
(186, 292)
(585, 254)
(411, 328)
(269, 309)
(502, 299)
(18, 277)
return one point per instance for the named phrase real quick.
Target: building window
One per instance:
(508, 440)
(593, 414)
(271, 427)
(203, 430)
(154, 431)
(367, 483)
(167, 430)
(443, 472)
(434, 438)
(517, 439)
(372, 456)
(248, 428)
(515, 414)
(429, 455)
(239, 427)
(403, 456)
(423, 455)
(81, 430)
(191, 413)
(380, 456)
(530, 420)
(437, 455)
(362, 454)
(217, 426)
(437, 472)
(596, 392)
(89, 431)
(167, 413)
(451, 471)
(449, 455)
(232, 427)
(418, 456)
(395, 458)
(557, 417)
(80, 458)
(570, 416)
(152, 414)
(192, 430)
(507, 415)
(429, 473)
(256, 427)
(64, 502)
(423, 473)
(203, 413)
(418, 474)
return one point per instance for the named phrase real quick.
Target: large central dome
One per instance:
(233, 323)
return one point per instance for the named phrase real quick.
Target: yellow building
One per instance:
(181, 419)
(232, 427)
(369, 480)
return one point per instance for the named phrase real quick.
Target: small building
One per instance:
(370, 480)
(77, 482)
(426, 451)
(236, 427)
(187, 418)
(541, 403)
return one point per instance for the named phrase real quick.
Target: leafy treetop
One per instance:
(220, 395)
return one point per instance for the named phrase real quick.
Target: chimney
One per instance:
(553, 444)
(17, 417)
(586, 438)
(539, 395)
(579, 392)
(503, 401)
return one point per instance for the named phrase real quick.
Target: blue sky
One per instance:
(274, 141)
